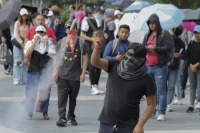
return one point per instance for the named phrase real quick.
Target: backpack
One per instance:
(102, 28)
(170, 55)
(115, 43)
(5, 54)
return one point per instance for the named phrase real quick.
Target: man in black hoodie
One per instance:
(159, 44)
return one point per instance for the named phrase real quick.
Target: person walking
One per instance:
(179, 53)
(118, 47)
(39, 49)
(20, 29)
(72, 14)
(57, 28)
(193, 60)
(70, 74)
(128, 80)
(79, 16)
(159, 44)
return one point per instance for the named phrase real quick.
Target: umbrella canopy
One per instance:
(189, 26)
(137, 36)
(192, 16)
(9, 12)
(30, 8)
(128, 19)
(169, 15)
(138, 5)
(122, 2)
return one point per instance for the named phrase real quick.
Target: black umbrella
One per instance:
(192, 16)
(8, 13)
(30, 8)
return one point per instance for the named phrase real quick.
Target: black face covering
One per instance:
(132, 69)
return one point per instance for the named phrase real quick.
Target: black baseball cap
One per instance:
(100, 9)
(137, 50)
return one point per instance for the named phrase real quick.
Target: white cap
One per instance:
(23, 11)
(117, 12)
(50, 13)
(40, 28)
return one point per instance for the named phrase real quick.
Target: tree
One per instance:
(37, 3)
(182, 4)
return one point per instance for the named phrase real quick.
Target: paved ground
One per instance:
(12, 113)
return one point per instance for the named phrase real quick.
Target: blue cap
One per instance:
(197, 28)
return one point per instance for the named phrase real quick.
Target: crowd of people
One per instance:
(91, 41)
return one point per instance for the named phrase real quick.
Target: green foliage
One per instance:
(65, 13)
(182, 4)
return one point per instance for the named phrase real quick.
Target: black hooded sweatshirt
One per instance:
(164, 42)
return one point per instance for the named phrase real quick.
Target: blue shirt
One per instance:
(122, 46)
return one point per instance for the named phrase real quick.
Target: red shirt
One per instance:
(152, 58)
(31, 32)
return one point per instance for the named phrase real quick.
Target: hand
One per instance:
(46, 40)
(177, 55)
(3, 39)
(36, 38)
(138, 129)
(193, 68)
(26, 61)
(82, 78)
(150, 48)
(18, 63)
(119, 57)
(78, 27)
(97, 41)
(106, 36)
(21, 44)
(55, 77)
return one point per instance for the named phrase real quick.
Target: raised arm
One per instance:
(95, 58)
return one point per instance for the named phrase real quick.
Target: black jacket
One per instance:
(164, 42)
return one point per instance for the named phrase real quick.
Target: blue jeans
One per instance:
(179, 80)
(160, 76)
(19, 71)
(171, 80)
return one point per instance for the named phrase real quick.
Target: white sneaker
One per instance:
(94, 90)
(100, 91)
(179, 102)
(161, 117)
(198, 106)
(169, 108)
(16, 83)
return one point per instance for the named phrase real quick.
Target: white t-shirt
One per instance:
(84, 24)
(116, 27)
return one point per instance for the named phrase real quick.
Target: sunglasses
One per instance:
(40, 32)
(129, 56)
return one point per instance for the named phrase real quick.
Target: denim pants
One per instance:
(194, 84)
(160, 76)
(19, 71)
(171, 80)
(109, 128)
(179, 80)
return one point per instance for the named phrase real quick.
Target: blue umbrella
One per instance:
(138, 5)
(122, 2)
(169, 15)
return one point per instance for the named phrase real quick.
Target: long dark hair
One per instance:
(79, 7)
(20, 19)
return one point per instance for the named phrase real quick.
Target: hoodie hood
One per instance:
(155, 18)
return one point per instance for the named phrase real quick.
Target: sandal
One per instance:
(45, 115)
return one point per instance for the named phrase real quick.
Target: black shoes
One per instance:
(190, 109)
(62, 122)
(73, 122)
(183, 94)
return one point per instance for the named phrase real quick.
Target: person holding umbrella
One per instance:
(159, 44)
